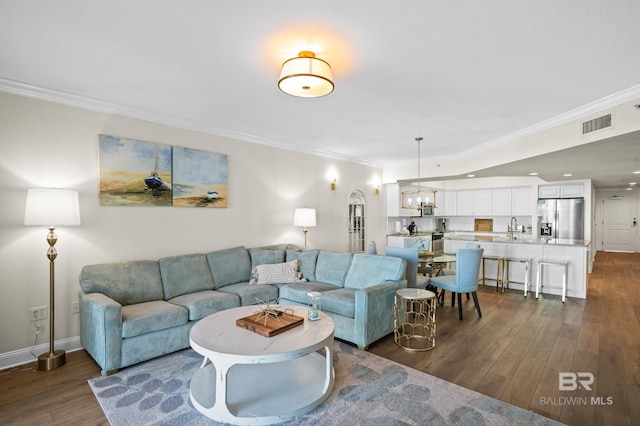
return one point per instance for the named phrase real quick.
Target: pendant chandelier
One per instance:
(419, 198)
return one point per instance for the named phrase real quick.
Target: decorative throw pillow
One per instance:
(277, 273)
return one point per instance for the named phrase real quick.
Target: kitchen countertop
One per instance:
(520, 239)
(417, 234)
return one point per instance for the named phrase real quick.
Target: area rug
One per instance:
(369, 390)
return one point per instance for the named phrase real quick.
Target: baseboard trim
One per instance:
(24, 356)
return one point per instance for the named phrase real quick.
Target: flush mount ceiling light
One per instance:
(306, 76)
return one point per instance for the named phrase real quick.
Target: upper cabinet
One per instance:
(521, 201)
(485, 202)
(476, 202)
(394, 201)
(561, 191)
(501, 201)
(439, 210)
(464, 203)
(482, 202)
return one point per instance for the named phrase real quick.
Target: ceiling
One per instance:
(459, 74)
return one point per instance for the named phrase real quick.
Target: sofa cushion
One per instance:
(146, 317)
(277, 273)
(297, 292)
(125, 282)
(203, 303)
(341, 301)
(252, 294)
(332, 267)
(308, 259)
(264, 255)
(185, 274)
(230, 266)
(368, 269)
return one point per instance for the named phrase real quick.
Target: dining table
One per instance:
(434, 265)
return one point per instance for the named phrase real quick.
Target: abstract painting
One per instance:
(134, 172)
(140, 173)
(200, 178)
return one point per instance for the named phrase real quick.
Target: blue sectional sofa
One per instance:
(134, 311)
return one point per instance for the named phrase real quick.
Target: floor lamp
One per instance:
(304, 218)
(51, 207)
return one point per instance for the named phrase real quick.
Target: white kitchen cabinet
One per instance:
(521, 201)
(439, 209)
(473, 202)
(571, 191)
(482, 202)
(464, 202)
(501, 201)
(561, 191)
(395, 241)
(450, 203)
(399, 241)
(394, 201)
(549, 191)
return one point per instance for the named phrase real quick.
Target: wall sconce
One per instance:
(333, 185)
(376, 192)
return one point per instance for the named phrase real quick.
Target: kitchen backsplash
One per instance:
(454, 223)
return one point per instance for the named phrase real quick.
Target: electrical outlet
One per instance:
(75, 307)
(37, 314)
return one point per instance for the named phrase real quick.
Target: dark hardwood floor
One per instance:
(513, 353)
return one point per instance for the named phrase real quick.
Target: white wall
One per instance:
(47, 144)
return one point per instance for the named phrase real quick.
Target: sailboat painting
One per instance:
(200, 178)
(134, 172)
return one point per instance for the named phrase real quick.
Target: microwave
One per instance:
(426, 209)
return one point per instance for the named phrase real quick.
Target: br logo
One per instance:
(569, 381)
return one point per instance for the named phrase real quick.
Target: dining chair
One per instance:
(465, 279)
(371, 247)
(422, 245)
(409, 254)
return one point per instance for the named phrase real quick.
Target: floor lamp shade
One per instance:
(304, 218)
(51, 207)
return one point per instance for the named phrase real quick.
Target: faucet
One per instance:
(514, 226)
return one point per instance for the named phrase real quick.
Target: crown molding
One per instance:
(69, 99)
(594, 107)
(41, 93)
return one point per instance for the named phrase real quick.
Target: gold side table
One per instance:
(414, 319)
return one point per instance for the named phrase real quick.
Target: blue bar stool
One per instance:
(564, 264)
(527, 272)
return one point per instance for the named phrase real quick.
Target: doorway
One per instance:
(620, 223)
(357, 230)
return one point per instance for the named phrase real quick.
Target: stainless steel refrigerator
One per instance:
(561, 218)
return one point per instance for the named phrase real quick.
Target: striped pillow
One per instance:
(277, 273)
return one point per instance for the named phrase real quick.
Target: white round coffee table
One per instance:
(246, 378)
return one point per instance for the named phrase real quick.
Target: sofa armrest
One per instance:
(374, 311)
(101, 330)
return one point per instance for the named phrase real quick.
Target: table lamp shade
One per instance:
(304, 217)
(52, 207)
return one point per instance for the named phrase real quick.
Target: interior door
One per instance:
(356, 222)
(620, 227)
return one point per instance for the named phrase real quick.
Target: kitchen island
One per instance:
(526, 246)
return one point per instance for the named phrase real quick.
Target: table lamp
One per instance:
(51, 207)
(304, 218)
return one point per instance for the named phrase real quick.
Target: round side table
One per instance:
(414, 319)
